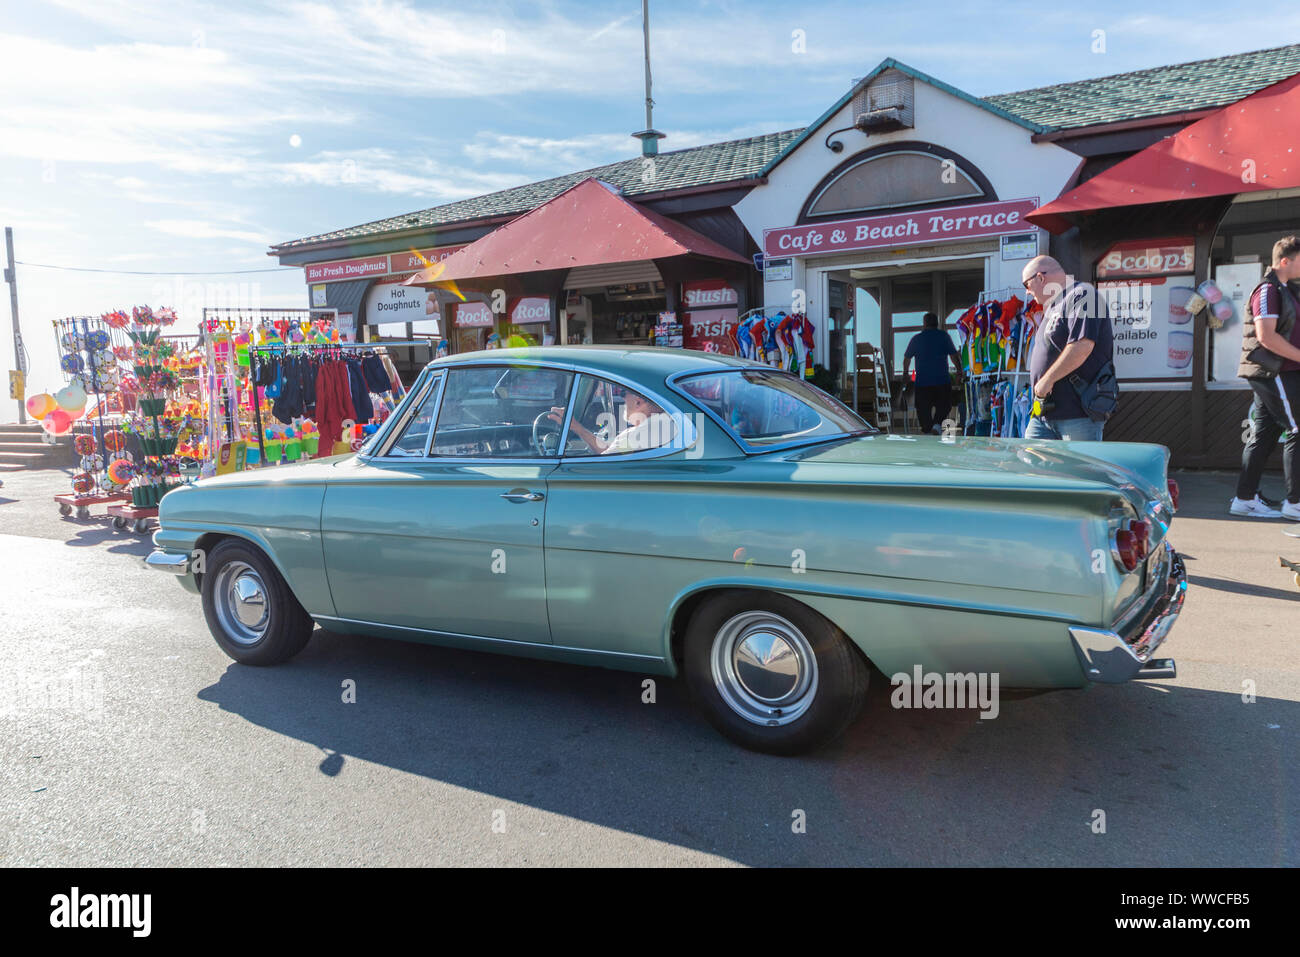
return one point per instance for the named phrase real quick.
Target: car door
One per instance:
(619, 544)
(441, 529)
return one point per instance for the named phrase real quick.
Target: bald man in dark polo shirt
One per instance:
(1073, 337)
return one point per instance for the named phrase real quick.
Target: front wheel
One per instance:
(771, 674)
(251, 612)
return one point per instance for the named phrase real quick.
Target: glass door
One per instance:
(861, 339)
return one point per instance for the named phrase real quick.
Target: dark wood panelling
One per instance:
(1166, 418)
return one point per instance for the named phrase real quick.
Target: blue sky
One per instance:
(188, 136)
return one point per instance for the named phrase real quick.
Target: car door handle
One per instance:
(522, 496)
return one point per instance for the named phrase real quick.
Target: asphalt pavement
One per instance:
(128, 739)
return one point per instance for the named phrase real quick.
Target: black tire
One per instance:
(838, 686)
(283, 632)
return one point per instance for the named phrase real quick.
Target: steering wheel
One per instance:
(540, 434)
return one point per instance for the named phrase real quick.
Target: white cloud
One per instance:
(572, 152)
(200, 229)
(387, 171)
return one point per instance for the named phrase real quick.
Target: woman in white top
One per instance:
(648, 427)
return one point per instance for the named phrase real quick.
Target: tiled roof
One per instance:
(677, 169)
(1124, 96)
(1155, 92)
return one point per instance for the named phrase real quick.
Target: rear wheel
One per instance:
(251, 612)
(771, 674)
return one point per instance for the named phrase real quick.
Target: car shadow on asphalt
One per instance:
(1171, 775)
(1245, 588)
(123, 541)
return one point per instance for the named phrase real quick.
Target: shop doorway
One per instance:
(887, 310)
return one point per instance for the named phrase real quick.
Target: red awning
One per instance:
(586, 225)
(1247, 146)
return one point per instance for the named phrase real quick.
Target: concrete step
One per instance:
(10, 467)
(29, 426)
(27, 459)
(7, 445)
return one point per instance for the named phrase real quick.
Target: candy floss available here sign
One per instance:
(900, 229)
(1151, 326)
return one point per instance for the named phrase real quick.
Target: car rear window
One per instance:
(766, 407)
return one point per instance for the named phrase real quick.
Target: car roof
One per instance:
(648, 364)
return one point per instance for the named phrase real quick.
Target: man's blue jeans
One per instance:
(1078, 430)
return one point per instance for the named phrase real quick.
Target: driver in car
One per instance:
(648, 427)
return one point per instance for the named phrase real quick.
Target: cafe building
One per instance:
(905, 196)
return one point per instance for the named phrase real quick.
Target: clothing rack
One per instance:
(973, 380)
(319, 348)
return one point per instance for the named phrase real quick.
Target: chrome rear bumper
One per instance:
(1107, 658)
(168, 562)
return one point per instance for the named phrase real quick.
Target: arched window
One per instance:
(900, 175)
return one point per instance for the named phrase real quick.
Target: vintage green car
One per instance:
(702, 514)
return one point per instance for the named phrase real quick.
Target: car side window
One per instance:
(414, 437)
(611, 419)
(502, 412)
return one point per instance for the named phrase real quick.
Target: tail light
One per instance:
(1173, 493)
(1141, 536)
(1126, 549)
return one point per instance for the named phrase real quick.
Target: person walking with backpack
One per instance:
(1072, 353)
(1270, 363)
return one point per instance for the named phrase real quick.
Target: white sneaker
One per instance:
(1291, 510)
(1255, 508)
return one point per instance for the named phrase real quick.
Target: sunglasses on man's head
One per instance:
(1026, 282)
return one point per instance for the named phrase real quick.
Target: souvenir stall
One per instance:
(317, 399)
(996, 336)
(89, 350)
(232, 404)
(157, 421)
(783, 341)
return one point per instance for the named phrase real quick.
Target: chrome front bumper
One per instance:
(1107, 658)
(168, 562)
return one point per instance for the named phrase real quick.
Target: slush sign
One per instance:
(708, 294)
(1147, 257)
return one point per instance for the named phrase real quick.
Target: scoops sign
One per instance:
(1147, 257)
(972, 221)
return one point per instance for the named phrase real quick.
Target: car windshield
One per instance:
(762, 407)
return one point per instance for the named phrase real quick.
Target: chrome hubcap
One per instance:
(241, 603)
(764, 668)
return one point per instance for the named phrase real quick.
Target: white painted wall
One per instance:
(1000, 149)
